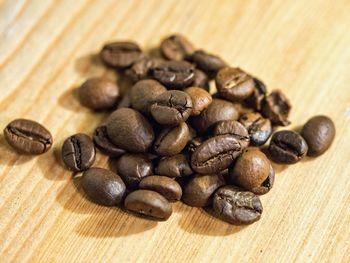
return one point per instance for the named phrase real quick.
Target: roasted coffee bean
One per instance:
(129, 130)
(215, 154)
(103, 186)
(98, 94)
(235, 129)
(276, 107)
(266, 186)
(234, 84)
(148, 203)
(121, 54)
(78, 152)
(28, 137)
(259, 93)
(144, 92)
(171, 107)
(166, 186)
(172, 140)
(237, 206)
(201, 99)
(209, 63)
(176, 47)
(319, 133)
(104, 144)
(218, 110)
(174, 166)
(200, 189)
(200, 80)
(133, 168)
(250, 170)
(140, 69)
(259, 128)
(173, 74)
(287, 147)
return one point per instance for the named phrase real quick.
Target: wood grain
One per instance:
(46, 51)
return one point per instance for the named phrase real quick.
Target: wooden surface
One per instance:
(302, 47)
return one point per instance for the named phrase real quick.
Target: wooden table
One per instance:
(46, 47)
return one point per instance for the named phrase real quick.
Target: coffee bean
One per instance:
(193, 144)
(173, 74)
(255, 100)
(259, 128)
(251, 170)
(218, 110)
(201, 99)
(174, 166)
(287, 147)
(121, 54)
(176, 47)
(172, 140)
(215, 154)
(78, 152)
(28, 137)
(149, 203)
(163, 185)
(200, 80)
(144, 92)
(319, 133)
(200, 189)
(104, 144)
(235, 129)
(98, 94)
(129, 130)
(209, 63)
(237, 206)
(171, 107)
(103, 186)
(266, 186)
(140, 69)
(234, 84)
(276, 107)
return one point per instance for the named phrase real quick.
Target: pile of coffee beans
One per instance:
(172, 139)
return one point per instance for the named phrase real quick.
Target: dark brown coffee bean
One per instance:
(276, 107)
(218, 110)
(144, 92)
(163, 185)
(171, 107)
(173, 74)
(319, 133)
(28, 137)
(176, 47)
(133, 168)
(140, 69)
(251, 170)
(78, 152)
(259, 128)
(98, 94)
(172, 140)
(148, 203)
(200, 80)
(237, 206)
(234, 84)
(256, 99)
(235, 129)
(103, 186)
(199, 190)
(174, 166)
(201, 99)
(104, 144)
(209, 63)
(287, 147)
(129, 130)
(266, 186)
(121, 54)
(215, 154)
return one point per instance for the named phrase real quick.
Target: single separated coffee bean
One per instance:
(176, 47)
(319, 133)
(104, 144)
(201, 99)
(174, 166)
(166, 186)
(276, 107)
(28, 137)
(171, 107)
(98, 94)
(237, 206)
(121, 54)
(287, 147)
(199, 190)
(209, 63)
(103, 186)
(130, 130)
(235, 129)
(78, 152)
(148, 203)
(234, 84)
(259, 128)
(255, 100)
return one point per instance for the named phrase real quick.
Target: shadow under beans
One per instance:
(89, 65)
(69, 99)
